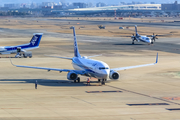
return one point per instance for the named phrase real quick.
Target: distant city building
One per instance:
(60, 3)
(48, 4)
(23, 5)
(100, 4)
(79, 5)
(58, 7)
(33, 5)
(122, 3)
(9, 5)
(47, 7)
(133, 2)
(89, 5)
(174, 6)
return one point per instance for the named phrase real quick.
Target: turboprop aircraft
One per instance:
(150, 39)
(20, 50)
(88, 67)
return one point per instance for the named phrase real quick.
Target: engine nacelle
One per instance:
(72, 76)
(114, 75)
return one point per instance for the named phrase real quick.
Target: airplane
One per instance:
(147, 39)
(20, 50)
(88, 67)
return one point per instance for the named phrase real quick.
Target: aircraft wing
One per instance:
(137, 66)
(59, 57)
(81, 72)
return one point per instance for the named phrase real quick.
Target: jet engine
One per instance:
(114, 75)
(72, 76)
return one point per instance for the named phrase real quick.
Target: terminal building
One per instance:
(170, 7)
(124, 7)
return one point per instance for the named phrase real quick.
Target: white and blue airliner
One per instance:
(85, 66)
(33, 44)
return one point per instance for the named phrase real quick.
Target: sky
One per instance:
(86, 1)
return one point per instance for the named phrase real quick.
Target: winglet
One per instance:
(157, 58)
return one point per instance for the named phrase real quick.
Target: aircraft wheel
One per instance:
(24, 56)
(99, 80)
(74, 81)
(103, 82)
(151, 42)
(78, 79)
(133, 43)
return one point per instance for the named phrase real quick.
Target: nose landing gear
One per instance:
(103, 81)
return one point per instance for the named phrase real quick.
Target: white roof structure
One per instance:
(123, 7)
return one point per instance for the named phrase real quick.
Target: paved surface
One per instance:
(125, 23)
(56, 98)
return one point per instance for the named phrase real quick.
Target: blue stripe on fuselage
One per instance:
(77, 62)
(34, 43)
(9, 48)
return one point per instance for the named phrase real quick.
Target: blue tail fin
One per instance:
(35, 39)
(76, 51)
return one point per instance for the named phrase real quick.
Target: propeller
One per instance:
(154, 37)
(133, 37)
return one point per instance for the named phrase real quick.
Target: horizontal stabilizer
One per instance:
(94, 56)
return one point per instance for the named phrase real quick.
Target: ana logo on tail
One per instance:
(34, 39)
(75, 49)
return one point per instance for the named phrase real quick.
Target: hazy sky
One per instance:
(86, 1)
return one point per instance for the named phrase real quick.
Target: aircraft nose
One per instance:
(105, 74)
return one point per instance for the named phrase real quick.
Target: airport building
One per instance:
(134, 10)
(171, 7)
(124, 7)
(79, 5)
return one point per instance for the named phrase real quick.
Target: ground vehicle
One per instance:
(24, 54)
(101, 26)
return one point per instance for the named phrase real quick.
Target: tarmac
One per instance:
(144, 93)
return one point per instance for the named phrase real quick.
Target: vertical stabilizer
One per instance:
(76, 51)
(35, 40)
(136, 30)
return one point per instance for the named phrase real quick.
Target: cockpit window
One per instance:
(102, 68)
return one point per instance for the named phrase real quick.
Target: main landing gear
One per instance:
(103, 81)
(77, 80)
(133, 42)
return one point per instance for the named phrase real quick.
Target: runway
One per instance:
(122, 22)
